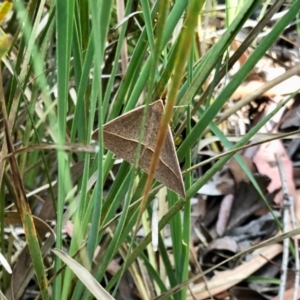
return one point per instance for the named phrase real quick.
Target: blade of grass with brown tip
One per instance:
(24, 208)
(183, 53)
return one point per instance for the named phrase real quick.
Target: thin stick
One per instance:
(297, 261)
(286, 207)
(294, 225)
(155, 224)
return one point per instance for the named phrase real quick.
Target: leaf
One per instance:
(22, 204)
(5, 8)
(121, 136)
(5, 264)
(5, 43)
(5, 39)
(224, 280)
(84, 275)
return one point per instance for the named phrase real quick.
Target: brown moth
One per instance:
(121, 136)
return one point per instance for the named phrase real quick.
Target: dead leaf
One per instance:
(291, 117)
(258, 228)
(121, 136)
(43, 229)
(288, 294)
(247, 201)
(224, 214)
(269, 270)
(236, 43)
(227, 279)
(236, 170)
(245, 293)
(127, 289)
(246, 89)
(285, 87)
(47, 211)
(225, 245)
(222, 183)
(266, 164)
(212, 211)
(23, 270)
(296, 176)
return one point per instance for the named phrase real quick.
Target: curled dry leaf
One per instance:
(122, 135)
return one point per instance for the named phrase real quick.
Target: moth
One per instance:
(121, 136)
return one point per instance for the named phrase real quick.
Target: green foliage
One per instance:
(75, 71)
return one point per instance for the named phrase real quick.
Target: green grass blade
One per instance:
(64, 25)
(258, 53)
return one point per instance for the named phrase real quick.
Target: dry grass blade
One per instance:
(23, 206)
(2, 296)
(5, 264)
(87, 279)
